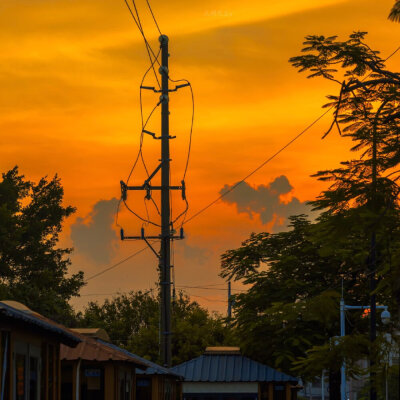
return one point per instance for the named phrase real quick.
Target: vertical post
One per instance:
(323, 385)
(342, 334)
(165, 271)
(229, 300)
(373, 265)
(373, 318)
(4, 368)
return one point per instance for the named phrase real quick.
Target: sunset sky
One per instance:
(70, 72)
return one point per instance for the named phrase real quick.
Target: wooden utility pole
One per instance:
(229, 300)
(167, 232)
(165, 252)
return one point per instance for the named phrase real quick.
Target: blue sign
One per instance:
(92, 373)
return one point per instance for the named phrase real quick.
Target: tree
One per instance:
(33, 270)
(295, 275)
(293, 301)
(132, 321)
(395, 12)
(363, 196)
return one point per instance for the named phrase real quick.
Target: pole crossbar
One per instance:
(144, 187)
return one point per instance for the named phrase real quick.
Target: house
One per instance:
(223, 373)
(30, 353)
(96, 370)
(155, 382)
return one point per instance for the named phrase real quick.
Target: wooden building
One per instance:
(155, 382)
(30, 354)
(96, 370)
(222, 373)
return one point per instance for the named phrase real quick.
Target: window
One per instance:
(92, 387)
(279, 391)
(33, 378)
(143, 388)
(5, 364)
(125, 385)
(20, 374)
(66, 382)
(51, 372)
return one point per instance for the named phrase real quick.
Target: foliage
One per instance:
(33, 270)
(290, 315)
(362, 200)
(395, 12)
(293, 302)
(132, 321)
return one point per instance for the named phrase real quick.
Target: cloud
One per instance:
(93, 236)
(266, 201)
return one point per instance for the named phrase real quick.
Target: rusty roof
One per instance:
(97, 333)
(91, 349)
(13, 310)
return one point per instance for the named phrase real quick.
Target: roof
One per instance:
(91, 349)
(222, 350)
(97, 333)
(151, 368)
(16, 311)
(228, 368)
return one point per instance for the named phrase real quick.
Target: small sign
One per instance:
(143, 382)
(92, 373)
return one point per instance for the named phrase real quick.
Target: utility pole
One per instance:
(229, 300)
(167, 232)
(373, 268)
(165, 252)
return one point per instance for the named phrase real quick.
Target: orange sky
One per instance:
(69, 73)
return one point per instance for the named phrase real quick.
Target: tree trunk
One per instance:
(334, 385)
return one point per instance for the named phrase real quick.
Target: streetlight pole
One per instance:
(343, 308)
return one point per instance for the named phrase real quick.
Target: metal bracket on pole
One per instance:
(160, 91)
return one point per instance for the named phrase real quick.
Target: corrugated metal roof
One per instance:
(91, 349)
(228, 368)
(97, 333)
(39, 321)
(152, 368)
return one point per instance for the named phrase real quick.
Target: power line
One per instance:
(273, 156)
(142, 119)
(148, 47)
(258, 168)
(154, 18)
(209, 299)
(116, 264)
(238, 183)
(209, 288)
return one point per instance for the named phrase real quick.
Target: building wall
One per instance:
(239, 390)
(220, 387)
(32, 365)
(158, 387)
(100, 380)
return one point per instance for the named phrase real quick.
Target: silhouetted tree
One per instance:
(33, 269)
(395, 12)
(291, 311)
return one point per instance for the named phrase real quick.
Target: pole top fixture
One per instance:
(163, 39)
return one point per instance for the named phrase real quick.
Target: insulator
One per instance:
(183, 190)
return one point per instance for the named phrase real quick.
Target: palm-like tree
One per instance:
(395, 13)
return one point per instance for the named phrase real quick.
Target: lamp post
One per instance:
(385, 316)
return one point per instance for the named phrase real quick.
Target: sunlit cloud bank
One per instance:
(268, 202)
(93, 236)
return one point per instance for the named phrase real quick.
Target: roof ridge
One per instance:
(238, 368)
